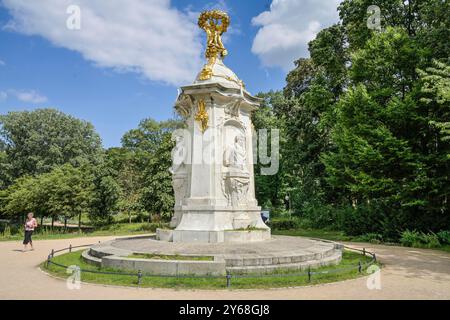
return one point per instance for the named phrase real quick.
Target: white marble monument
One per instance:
(213, 158)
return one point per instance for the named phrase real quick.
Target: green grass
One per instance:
(170, 257)
(267, 281)
(314, 233)
(118, 229)
(340, 236)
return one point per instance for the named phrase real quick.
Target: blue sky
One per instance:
(128, 58)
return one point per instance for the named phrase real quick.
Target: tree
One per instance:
(104, 195)
(270, 189)
(129, 178)
(436, 91)
(151, 147)
(37, 141)
(69, 192)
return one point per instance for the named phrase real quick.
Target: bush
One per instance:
(153, 226)
(371, 237)
(419, 239)
(444, 237)
(365, 219)
(319, 216)
(284, 223)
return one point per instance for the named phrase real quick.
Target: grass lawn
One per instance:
(350, 259)
(118, 229)
(338, 236)
(314, 233)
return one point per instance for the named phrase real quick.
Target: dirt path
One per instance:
(407, 274)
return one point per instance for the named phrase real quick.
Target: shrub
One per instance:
(444, 237)
(419, 239)
(284, 223)
(319, 216)
(152, 226)
(6, 232)
(371, 237)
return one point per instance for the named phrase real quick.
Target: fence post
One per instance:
(364, 251)
(53, 253)
(228, 280)
(374, 257)
(48, 261)
(359, 267)
(309, 273)
(70, 247)
(139, 277)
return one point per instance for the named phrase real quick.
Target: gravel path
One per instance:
(407, 274)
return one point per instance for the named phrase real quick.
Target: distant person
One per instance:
(30, 225)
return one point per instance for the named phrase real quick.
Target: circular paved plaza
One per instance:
(407, 273)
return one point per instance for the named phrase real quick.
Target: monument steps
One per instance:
(282, 258)
(334, 259)
(85, 255)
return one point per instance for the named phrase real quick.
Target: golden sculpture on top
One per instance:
(215, 23)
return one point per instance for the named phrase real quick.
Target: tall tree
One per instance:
(151, 144)
(37, 141)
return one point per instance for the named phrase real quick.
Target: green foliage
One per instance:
(419, 239)
(152, 143)
(444, 237)
(37, 141)
(371, 237)
(284, 223)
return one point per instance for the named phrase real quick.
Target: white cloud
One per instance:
(288, 26)
(147, 37)
(29, 96)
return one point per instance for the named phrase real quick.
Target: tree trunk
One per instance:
(53, 221)
(65, 224)
(129, 217)
(79, 222)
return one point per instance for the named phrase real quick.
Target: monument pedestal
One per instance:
(213, 157)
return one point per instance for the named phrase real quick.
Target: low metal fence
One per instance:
(309, 273)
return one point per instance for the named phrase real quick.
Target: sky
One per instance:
(116, 62)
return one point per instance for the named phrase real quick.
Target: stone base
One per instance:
(189, 236)
(280, 253)
(212, 224)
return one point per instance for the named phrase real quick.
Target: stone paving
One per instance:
(278, 253)
(406, 274)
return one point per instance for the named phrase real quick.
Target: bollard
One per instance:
(309, 273)
(70, 248)
(359, 267)
(139, 277)
(228, 280)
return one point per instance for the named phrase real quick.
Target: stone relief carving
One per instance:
(235, 156)
(184, 105)
(236, 180)
(178, 169)
(232, 109)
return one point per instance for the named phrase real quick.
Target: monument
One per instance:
(212, 167)
(217, 226)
